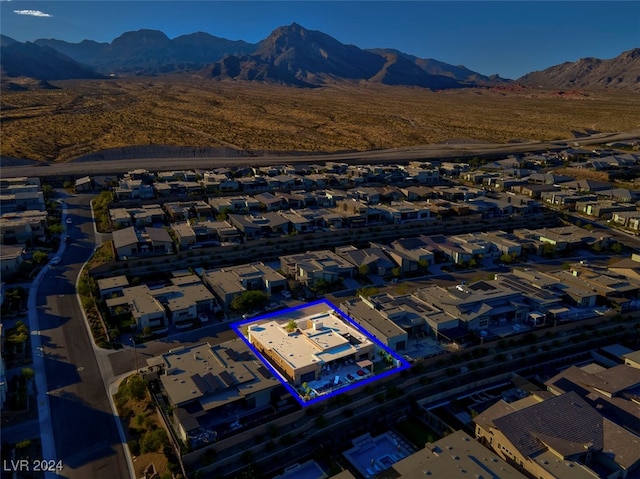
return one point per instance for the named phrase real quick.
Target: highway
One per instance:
(83, 426)
(390, 155)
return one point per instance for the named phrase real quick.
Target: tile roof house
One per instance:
(614, 392)
(374, 260)
(629, 267)
(559, 437)
(412, 253)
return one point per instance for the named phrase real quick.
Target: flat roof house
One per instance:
(314, 266)
(212, 388)
(376, 323)
(145, 309)
(230, 281)
(456, 456)
(10, 259)
(132, 243)
(112, 286)
(256, 226)
(479, 304)
(22, 226)
(300, 348)
(180, 301)
(406, 310)
(184, 234)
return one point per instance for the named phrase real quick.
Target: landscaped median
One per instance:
(88, 292)
(147, 439)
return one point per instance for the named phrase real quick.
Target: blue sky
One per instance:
(510, 38)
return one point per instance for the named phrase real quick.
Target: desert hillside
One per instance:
(80, 117)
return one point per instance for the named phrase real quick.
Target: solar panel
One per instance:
(265, 372)
(201, 384)
(227, 378)
(212, 382)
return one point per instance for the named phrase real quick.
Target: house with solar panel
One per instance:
(215, 391)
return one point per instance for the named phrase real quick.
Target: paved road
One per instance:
(389, 155)
(84, 430)
(123, 360)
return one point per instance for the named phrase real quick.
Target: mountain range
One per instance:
(290, 55)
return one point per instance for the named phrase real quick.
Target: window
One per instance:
(310, 376)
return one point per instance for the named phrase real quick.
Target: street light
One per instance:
(135, 352)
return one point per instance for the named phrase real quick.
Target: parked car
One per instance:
(69, 221)
(203, 317)
(272, 306)
(286, 294)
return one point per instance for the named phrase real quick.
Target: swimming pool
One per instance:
(374, 454)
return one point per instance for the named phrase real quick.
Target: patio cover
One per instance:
(364, 364)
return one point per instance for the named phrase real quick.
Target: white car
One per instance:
(286, 294)
(69, 221)
(203, 317)
(55, 260)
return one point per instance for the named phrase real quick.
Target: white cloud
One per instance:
(32, 13)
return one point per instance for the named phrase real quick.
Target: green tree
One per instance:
(56, 229)
(40, 257)
(223, 214)
(19, 334)
(153, 440)
(249, 300)
(402, 289)
(291, 326)
(136, 387)
(47, 191)
(616, 248)
(548, 250)
(367, 291)
(27, 373)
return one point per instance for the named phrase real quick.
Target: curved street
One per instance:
(79, 427)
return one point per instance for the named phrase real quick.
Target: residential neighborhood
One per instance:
(321, 298)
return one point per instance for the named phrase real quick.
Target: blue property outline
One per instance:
(403, 364)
